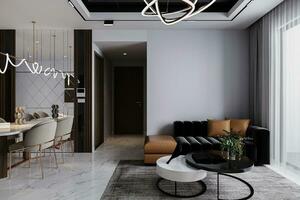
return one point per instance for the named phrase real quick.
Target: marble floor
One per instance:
(82, 177)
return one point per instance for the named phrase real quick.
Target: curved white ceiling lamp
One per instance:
(169, 18)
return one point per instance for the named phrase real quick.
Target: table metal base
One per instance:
(201, 183)
(239, 179)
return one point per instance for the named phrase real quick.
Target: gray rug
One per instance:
(132, 180)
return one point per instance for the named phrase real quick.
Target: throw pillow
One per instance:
(217, 127)
(239, 126)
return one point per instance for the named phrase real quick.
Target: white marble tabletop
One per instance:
(16, 129)
(7, 132)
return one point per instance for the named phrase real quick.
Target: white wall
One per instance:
(119, 35)
(192, 74)
(196, 75)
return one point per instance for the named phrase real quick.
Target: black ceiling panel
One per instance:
(138, 5)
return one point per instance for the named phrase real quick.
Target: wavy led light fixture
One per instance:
(33, 66)
(169, 18)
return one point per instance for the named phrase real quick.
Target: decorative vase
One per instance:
(231, 155)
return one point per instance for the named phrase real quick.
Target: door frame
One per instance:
(98, 56)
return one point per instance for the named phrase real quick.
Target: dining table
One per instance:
(14, 130)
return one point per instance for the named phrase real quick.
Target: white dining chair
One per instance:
(40, 114)
(28, 117)
(36, 140)
(63, 134)
(2, 120)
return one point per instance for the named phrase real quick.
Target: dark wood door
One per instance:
(99, 100)
(128, 100)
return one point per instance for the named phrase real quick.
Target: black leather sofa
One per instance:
(192, 136)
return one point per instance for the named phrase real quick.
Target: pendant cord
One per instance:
(54, 36)
(33, 41)
(168, 6)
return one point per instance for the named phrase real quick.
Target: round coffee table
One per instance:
(178, 171)
(213, 161)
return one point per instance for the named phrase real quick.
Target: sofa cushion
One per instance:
(152, 158)
(159, 144)
(217, 127)
(178, 128)
(239, 126)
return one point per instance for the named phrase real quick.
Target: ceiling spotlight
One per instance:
(108, 22)
(70, 2)
(124, 54)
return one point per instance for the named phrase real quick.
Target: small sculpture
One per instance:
(55, 111)
(19, 116)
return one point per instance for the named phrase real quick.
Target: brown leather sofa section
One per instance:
(151, 159)
(157, 146)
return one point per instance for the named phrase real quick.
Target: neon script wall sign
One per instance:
(36, 68)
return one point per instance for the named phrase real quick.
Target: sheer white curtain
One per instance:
(291, 99)
(266, 72)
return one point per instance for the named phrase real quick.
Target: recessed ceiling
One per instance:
(230, 13)
(138, 5)
(18, 14)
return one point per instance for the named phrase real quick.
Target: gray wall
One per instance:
(108, 95)
(196, 75)
(191, 74)
(39, 92)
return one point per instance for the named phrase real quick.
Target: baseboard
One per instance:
(294, 177)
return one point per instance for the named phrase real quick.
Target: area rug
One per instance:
(135, 181)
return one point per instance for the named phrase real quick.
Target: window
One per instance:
(290, 152)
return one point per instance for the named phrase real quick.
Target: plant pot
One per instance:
(231, 156)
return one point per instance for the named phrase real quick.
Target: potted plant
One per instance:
(233, 144)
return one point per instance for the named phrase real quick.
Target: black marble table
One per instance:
(213, 161)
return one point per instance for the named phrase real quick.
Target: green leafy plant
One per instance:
(233, 143)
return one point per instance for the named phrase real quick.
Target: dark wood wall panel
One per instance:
(83, 72)
(7, 91)
(7, 80)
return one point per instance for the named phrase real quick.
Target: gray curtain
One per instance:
(266, 69)
(259, 80)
